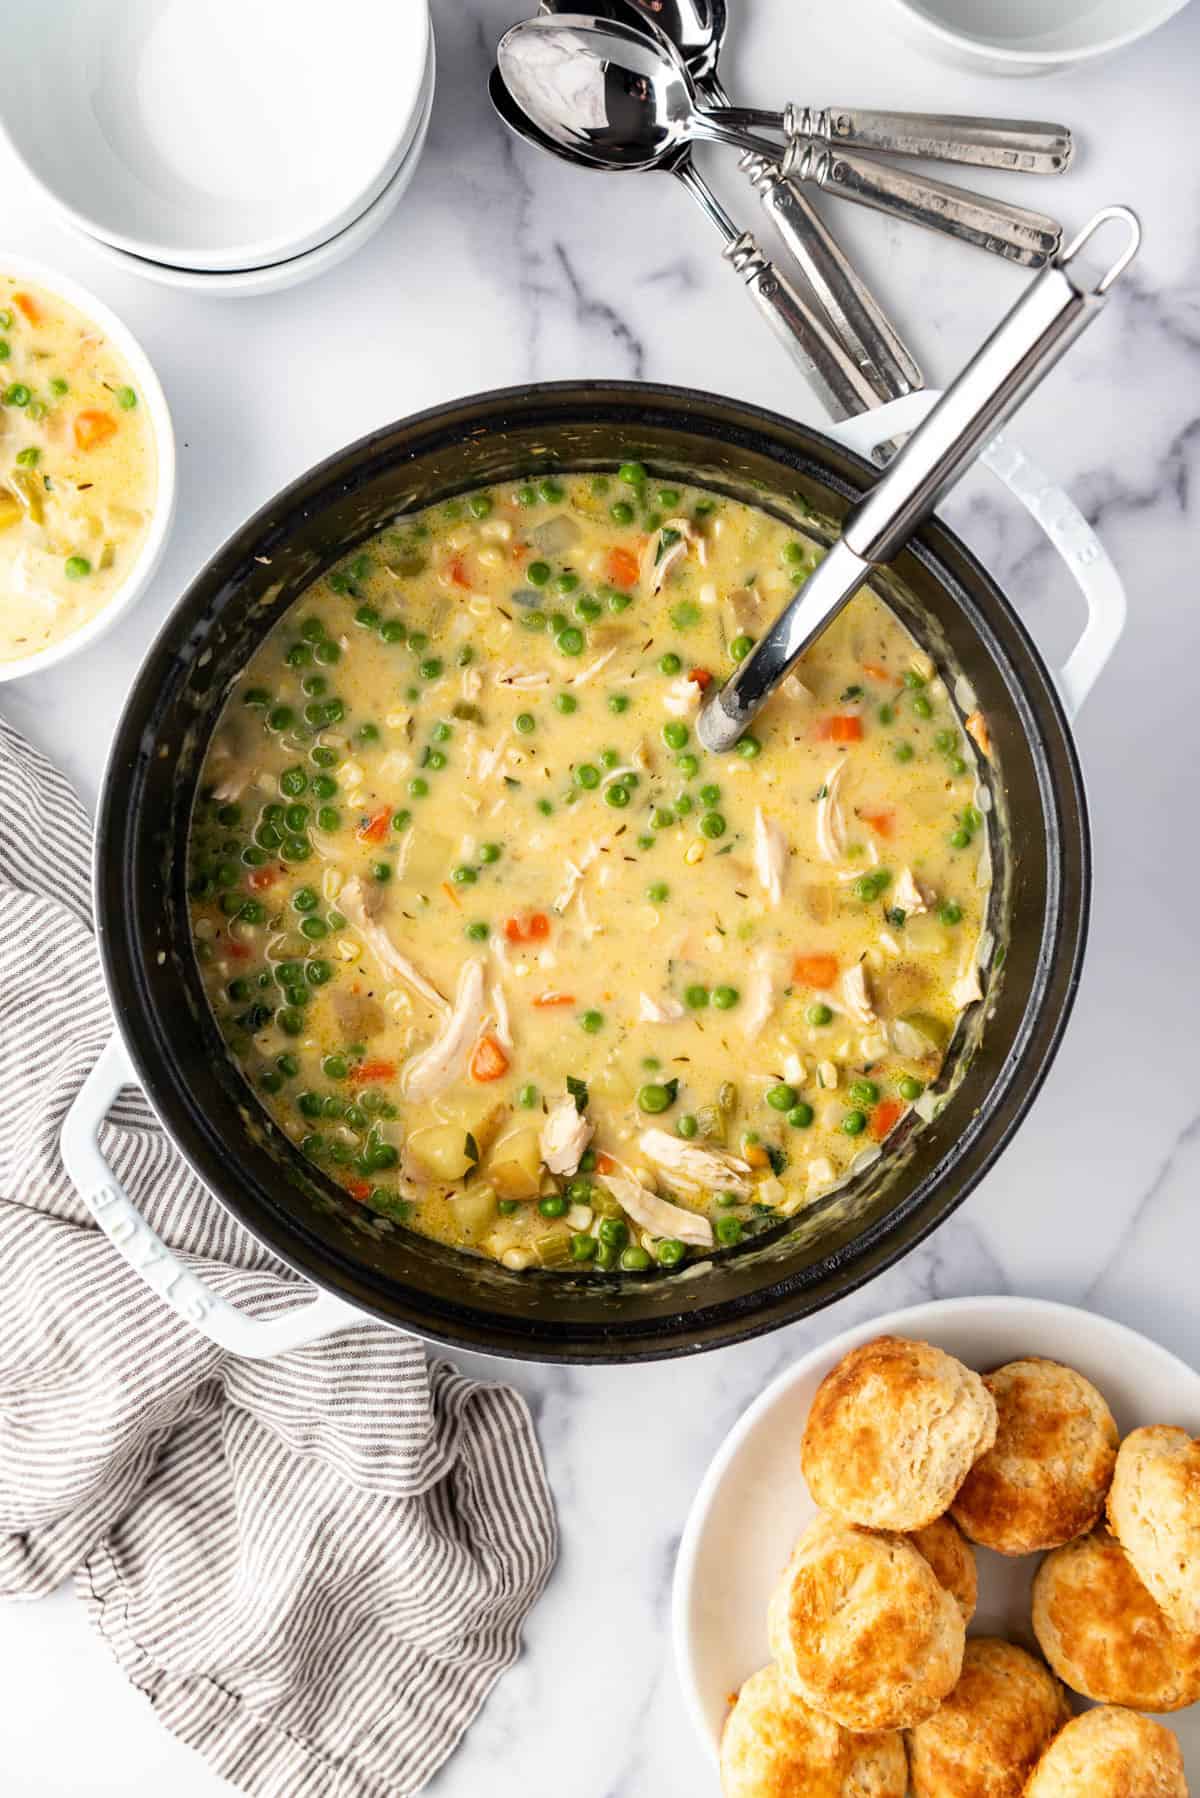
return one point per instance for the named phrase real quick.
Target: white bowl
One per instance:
(271, 279)
(151, 396)
(1026, 37)
(223, 136)
(753, 1502)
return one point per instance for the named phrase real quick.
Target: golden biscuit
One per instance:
(1110, 1753)
(1104, 1635)
(774, 1746)
(861, 1629)
(892, 1434)
(953, 1560)
(985, 1737)
(1154, 1512)
(1044, 1481)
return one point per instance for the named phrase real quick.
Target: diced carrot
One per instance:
(878, 673)
(261, 878)
(755, 1154)
(451, 895)
(979, 733)
(539, 925)
(701, 677)
(93, 428)
(25, 302)
(488, 1060)
(458, 573)
(368, 1072)
(545, 1000)
(622, 567)
(358, 1189)
(374, 828)
(842, 727)
(882, 822)
(239, 951)
(605, 1164)
(815, 970)
(532, 927)
(885, 1117)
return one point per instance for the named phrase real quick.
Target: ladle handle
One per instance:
(1019, 235)
(1022, 146)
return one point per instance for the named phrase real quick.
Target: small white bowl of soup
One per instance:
(87, 468)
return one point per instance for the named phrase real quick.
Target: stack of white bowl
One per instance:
(234, 147)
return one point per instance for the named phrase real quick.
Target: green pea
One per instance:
(323, 756)
(583, 1247)
(587, 1161)
(587, 775)
(290, 1021)
(314, 929)
(17, 394)
(77, 568)
(616, 794)
(566, 703)
(431, 669)
(525, 722)
(296, 817)
(336, 1067)
(740, 648)
(957, 765)
(695, 997)
(401, 820)
(748, 748)
(658, 892)
(327, 653)
(295, 848)
(653, 1098)
(960, 839)
(618, 702)
(324, 786)
(570, 641)
(819, 1015)
(670, 663)
(464, 876)
(632, 473)
(728, 1231)
(29, 457)
(635, 1260)
(712, 825)
(903, 752)
(854, 1123)
(710, 794)
(800, 1116)
(479, 505)
(670, 1252)
(621, 512)
(288, 1066)
(782, 1098)
(418, 786)
(674, 734)
(944, 740)
(5, 350)
(950, 912)
(393, 630)
(687, 1126)
(922, 706)
(549, 490)
(614, 1231)
(567, 582)
(528, 1097)
(661, 817)
(538, 573)
(57, 385)
(382, 872)
(725, 997)
(683, 804)
(864, 1092)
(908, 1088)
(544, 806)
(592, 1022)
(477, 932)
(527, 496)
(553, 1205)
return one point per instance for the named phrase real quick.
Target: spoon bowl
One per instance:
(695, 27)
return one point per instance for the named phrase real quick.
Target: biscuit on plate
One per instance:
(1044, 1481)
(1154, 1512)
(952, 1559)
(861, 1629)
(984, 1739)
(1110, 1753)
(892, 1434)
(774, 1746)
(1104, 1635)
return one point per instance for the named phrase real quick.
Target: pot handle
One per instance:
(114, 1211)
(1059, 517)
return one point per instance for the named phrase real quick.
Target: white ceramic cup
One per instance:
(151, 396)
(1025, 37)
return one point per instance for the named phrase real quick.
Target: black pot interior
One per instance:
(1042, 866)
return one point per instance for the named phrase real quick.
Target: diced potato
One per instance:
(474, 1213)
(440, 1152)
(514, 1165)
(11, 510)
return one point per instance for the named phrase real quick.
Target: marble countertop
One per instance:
(504, 267)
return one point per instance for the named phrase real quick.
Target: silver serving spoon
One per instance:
(607, 90)
(833, 373)
(1026, 344)
(1024, 146)
(850, 308)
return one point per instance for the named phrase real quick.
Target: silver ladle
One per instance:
(839, 383)
(1026, 344)
(609, 91)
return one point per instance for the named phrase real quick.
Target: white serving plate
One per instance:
(241, 283)
(222, 136)
(753, 1501)
(1026, 37)
(151, 396)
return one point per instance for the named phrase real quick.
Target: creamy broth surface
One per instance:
(511, 957)
(78, 469)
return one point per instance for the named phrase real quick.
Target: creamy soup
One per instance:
(511, 958)
(77, 469)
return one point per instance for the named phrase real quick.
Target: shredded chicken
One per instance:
(977, 730)
(658, 1011)
(656, 1215)
(910, 895)
(770, 855)
(593, 668)
(522, 679)
(762, 994)
(566, 1133)
(966, 989)
(820, 1175)
(444, 1061)
(490, 759)
(856, 993)
(576, 871)
(831, 819)
(692, 1170)
(499, 1005)
(682, 697)
(794, 687)
(653, 573)
(356, 907)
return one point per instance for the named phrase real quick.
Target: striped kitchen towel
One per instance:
(316, 1567)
